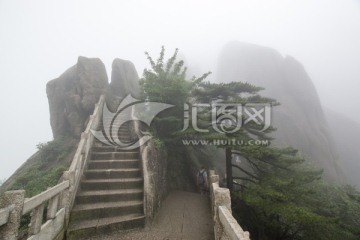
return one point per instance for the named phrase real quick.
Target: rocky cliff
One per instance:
(124, 78)
(124, 81)
(299, 120)
(72, 98)
(73, 95)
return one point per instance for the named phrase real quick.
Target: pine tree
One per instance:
(279, 196)
(167, 83)
(235, 94)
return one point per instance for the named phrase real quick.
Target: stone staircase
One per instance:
(111, 192)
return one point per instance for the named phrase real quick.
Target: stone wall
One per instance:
(154, 166)
(155, 186)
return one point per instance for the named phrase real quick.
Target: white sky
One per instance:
(39, 40)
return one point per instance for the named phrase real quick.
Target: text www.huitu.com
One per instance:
(224, 142)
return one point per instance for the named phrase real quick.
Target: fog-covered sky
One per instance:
(39, 40)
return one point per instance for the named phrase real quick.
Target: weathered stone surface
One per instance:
(232, 229)
(299, 120)
(155, 186)
(73, 95)
(10, 230)
(124, 78)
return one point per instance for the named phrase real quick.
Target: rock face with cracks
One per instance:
(72, 96)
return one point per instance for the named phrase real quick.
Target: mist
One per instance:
(41, 39)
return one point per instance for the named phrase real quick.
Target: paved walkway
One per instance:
(183, 216)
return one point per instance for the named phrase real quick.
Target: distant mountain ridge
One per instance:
(299, 120)
(346, 135)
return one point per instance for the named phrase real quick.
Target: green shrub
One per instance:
(47, 169)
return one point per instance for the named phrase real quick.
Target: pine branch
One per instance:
(245, 179)
(244, 171)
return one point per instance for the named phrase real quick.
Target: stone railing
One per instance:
(225, 225)
(58, 199)
(15, 205)
(76, 169)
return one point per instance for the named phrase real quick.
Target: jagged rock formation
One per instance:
(124, 81)
(346, 135)
(300, 120)
(124, 78)
(72, 98)
(73, 95)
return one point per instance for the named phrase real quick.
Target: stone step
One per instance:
(107, 148)
(125, 138)
(123, 135)
(114, 155)
(84, 229)
(123, 126)
(118, 119)
(109, 196)
(107, 209)
(111, 184)
(101, 226)
(113, 173)
(113, 164)
(111, 193)
(98, 143)
(122, 129)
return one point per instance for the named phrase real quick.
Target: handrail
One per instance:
(226, 226)
(77, 155)
(78, 164)
(230, 225)
(60, 198)
(39, 199)
(84, 136)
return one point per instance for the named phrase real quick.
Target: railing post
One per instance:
(222, 197)
(10, 230)
(53, 207)
(36, 220)
(214, 178)
(66, 196)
